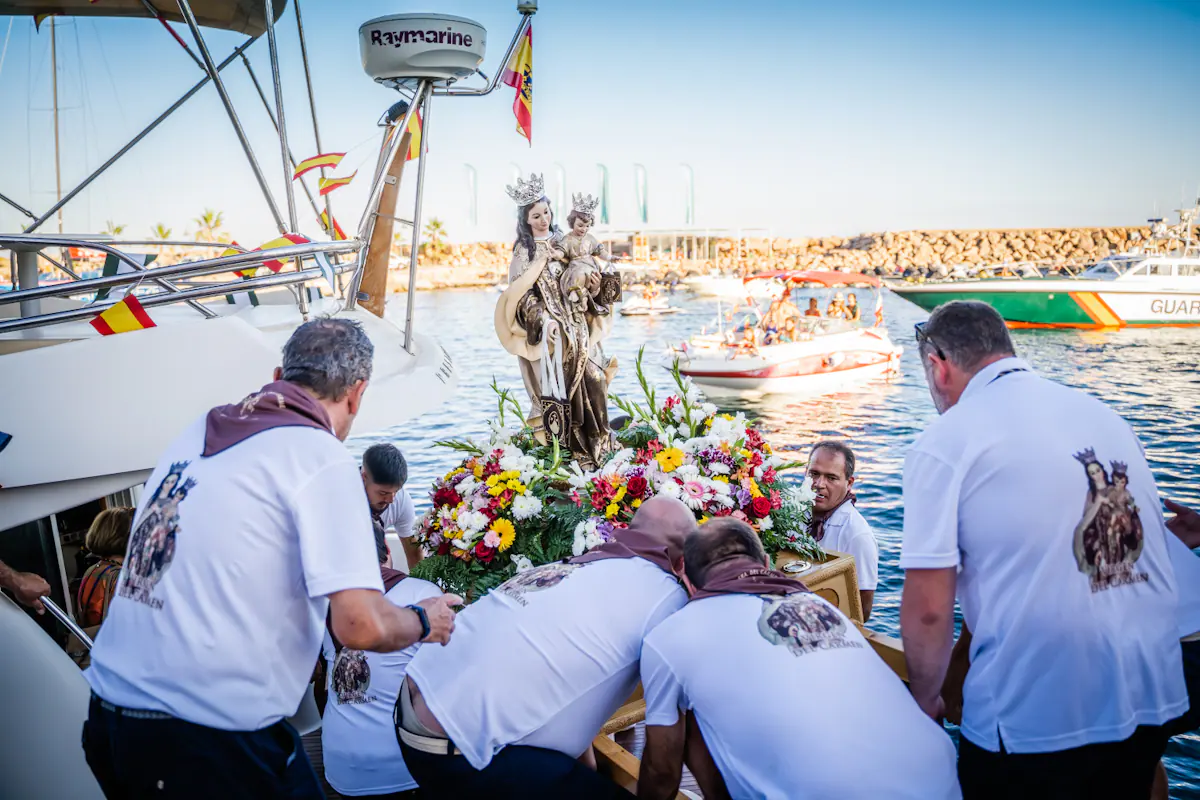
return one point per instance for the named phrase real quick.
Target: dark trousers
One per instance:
(1120, 770)
(137, 755)
(516, 773)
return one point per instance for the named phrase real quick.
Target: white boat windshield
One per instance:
(1113, 267)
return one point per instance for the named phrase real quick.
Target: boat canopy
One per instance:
(244, 16)
(825, 278)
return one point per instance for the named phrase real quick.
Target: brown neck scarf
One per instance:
(629, 543)
(746, 576)
(276, 405)
(816, 526)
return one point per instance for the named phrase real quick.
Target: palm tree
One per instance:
(208, 224)
(435, 231)
(113, 229)
(161, 232)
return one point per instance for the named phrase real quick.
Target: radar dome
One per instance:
(437, 47)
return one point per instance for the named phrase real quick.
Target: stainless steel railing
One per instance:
(69, 623)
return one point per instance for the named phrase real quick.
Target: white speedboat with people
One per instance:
(782, 352)
(650, 303)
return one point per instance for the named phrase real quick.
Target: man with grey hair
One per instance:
(252, 528)
(1034, 502)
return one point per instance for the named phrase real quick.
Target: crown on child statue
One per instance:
(524, 192)
(1119, 468)
(1086, 457)
(584, 204)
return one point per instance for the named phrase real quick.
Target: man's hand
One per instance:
(1185, 524)
(440, 611)
(935, 709)
(29, 589)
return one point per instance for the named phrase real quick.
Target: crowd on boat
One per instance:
(259, 547)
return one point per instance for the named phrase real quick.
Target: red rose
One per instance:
(637, 486)
(760, 507)
(484, 553)
(443, 548)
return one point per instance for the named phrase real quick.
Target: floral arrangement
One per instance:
(512, 504)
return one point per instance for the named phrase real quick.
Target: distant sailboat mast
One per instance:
(54, 89)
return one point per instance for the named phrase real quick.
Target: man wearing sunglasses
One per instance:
(1034, 504)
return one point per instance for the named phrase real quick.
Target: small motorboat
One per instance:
(813, 354)
(648, 304)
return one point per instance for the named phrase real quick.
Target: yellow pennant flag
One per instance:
(328, 160)
(518, 73)
(327, 185)
(414, 144)
(127, 315)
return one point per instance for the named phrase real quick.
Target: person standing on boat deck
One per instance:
(859, 735)
(836, 524)
(1035, 503)
(561, 645)
(252, 529)
(814, 308)
(358, 740)
(837, 307)
(384, 473)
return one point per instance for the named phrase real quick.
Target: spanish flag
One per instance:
(282, 241)
(329, 160)
(414, 144)
(127, 315)
(518, 73)
(338, 234)
(327, 185)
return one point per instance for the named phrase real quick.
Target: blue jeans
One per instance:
(137, 754)
(517, 772)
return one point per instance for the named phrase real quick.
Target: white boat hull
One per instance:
(732, 287)
(822, 364)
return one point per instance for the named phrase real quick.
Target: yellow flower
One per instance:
(492, 480)
(721, 478)
(620, 495)
(515, 485)
(745, 454)
(670, 459)
(637, 503)
(453, 472)
(754, 490)
(702, 520)
(497, 490)
(766, 448)
(477, 471)
(507, 533)
(612, 510)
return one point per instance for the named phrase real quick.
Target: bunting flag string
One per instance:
(127, 315)
(328, 160)
(327, 185)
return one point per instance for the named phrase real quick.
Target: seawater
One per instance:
(1150, 376)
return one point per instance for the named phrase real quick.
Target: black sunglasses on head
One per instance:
(922, 338)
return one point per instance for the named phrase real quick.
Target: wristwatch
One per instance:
(421, 615)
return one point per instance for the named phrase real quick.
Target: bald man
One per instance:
(510, 707)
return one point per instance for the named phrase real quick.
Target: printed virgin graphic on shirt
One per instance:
(152, 544)
(803, 624)
(351, 677)
(535, 580)
(1108, 539)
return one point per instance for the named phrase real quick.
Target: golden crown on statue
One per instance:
(527, 192)
(584, 204)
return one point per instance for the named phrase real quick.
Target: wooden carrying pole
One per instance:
(372, 289)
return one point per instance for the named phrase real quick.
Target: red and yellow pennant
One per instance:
(328, 160)
(282, 241)
(518, 73)
(336, 232)
(414, 144)
(127, 315)
(327, 185)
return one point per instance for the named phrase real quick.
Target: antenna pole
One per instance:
(54, 90)
(312, 105)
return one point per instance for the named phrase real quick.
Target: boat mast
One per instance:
(54, 90)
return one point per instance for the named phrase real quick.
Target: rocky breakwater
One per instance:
(893, 252)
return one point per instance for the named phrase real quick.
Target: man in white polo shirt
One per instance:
(539, 664)
(384, 473)
(724, 682)
(358, 740)
(836, 522)
(251, 529)
(1035, 503)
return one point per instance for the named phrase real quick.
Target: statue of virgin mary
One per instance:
(553, 317)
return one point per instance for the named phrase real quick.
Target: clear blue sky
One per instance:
(801, 117)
